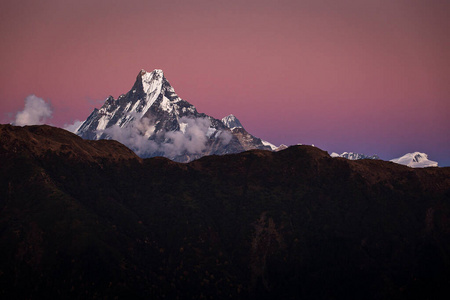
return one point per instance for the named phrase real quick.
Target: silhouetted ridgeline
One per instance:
(90, 219)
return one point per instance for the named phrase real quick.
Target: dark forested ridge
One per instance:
(90, 219)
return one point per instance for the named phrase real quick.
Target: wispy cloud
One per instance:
(36, 112)
(74, 126)
(134, 137)
(192, 141)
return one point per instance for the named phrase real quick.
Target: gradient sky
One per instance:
(356, 75)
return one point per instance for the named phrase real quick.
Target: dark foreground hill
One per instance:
(89, 219)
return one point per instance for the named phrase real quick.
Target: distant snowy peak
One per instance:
(232, 122)
(247, 140)
(272, 146)
(354, 156)
(282, 147)
(415, 160)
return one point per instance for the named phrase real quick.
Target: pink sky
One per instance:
(363, 76)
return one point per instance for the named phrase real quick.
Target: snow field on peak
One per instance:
(166, 105)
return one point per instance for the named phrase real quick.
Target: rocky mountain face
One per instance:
(232, 122)
(152, 120)
(90, 219)
(247, 140)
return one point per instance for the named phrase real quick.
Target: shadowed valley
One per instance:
(90, 219)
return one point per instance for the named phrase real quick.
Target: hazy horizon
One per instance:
(359, 76)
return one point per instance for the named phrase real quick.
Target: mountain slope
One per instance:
(153, 121)
(89, 219)
(40, 140)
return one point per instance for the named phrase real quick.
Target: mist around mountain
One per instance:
(91, 219)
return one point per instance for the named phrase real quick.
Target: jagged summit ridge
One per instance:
(354, 156)
(153, 120)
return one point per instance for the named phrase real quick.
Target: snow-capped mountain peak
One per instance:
(231, 122)
(415, 160)
(153, 120)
